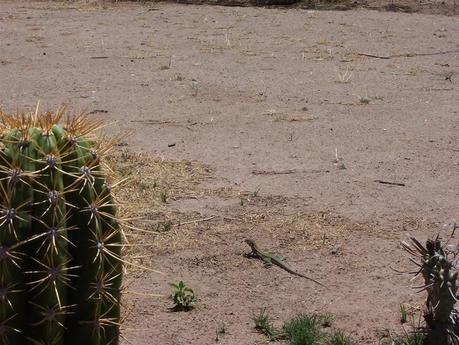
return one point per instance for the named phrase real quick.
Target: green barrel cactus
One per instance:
(60, 240)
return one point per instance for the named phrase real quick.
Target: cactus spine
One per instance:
(60, 240)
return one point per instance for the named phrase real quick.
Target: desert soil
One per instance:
(273, 124)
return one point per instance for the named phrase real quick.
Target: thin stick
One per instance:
(272, 172)
(407, 54)
(391, 183)
(375, 56)
(231, 218)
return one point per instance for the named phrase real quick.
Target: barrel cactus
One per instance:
(60, 239)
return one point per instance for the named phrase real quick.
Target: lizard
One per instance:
(270, 259)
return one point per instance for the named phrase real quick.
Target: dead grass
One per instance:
(147, 185)
(155, 224)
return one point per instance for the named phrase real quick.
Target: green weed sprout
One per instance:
(183, 297)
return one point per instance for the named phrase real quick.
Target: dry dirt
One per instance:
(274, 124)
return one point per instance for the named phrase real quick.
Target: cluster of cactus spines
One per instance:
(437, 265)
(60, 239)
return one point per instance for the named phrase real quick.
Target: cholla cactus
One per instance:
(437, 265)
(60, 240)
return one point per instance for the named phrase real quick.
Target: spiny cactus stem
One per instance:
(5, 328)
(50, 313)
(60, 240)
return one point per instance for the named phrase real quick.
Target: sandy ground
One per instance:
(293, 124)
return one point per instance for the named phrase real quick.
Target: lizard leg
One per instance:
(268, 263)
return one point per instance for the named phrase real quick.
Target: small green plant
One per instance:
(163, 196)
(403, 314)
(165, 226)
(304, 329)
(364, 100)
(340, 338)
(264, 325)
(415, 338)
(183, 296)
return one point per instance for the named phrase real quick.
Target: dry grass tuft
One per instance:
(147, 185)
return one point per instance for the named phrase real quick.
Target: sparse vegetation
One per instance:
(304, 329)
(414, 338)
(340, 338)
(183, 297)
(220, 331)
(364, 100)
(403, 314)
(345, 77)
(163, 196)
(143, 186)
(165, 226)
(264, 325)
